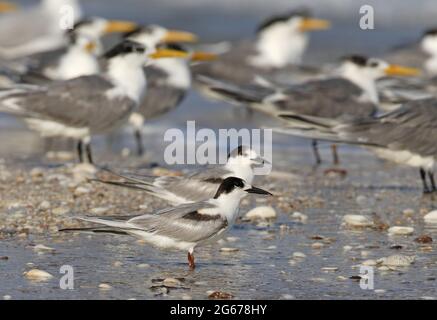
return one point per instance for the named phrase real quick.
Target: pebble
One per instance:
(40, 248)
(329, 269)
(347, 248)
(355, 220)
(38, 275)
(379, 291)
(423, 239)
(317, 245)
(80, 191)
(397, 260)
(36, 172)
(172, 283)
(219, 295)
(117, 264)
(45, 205)
(263, 213)
(299, 255)
(105, 286)
(408, 212)
(186, 297)
(7, 297)
(100, 211)
(404, 231)
(229, 250)
(143, 266)
(300, 216)
(431, 217)
(288, 297)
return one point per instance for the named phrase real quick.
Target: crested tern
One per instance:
(184, 227)
(88, 105)
(404, 136)
(280, 42)
(197, 186)
(351, 94)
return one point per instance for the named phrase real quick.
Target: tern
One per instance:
(186, 226)
(198, 186)
(36, 29)
(351, 94)
(404, 136)
(280, 42)
(88, 105)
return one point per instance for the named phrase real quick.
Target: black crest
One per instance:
(125, 47)
(82, 23)
(430, 32)
(172, 46)
(303, 13)
(228, 185)
(236, 152)
(356, 59)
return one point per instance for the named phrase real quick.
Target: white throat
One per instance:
(128, 77)
(179, 74)
(361, 79)
(279, 47)
(228, 205)
(77, 62)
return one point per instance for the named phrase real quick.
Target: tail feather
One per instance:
(309, 121)
(95, 230)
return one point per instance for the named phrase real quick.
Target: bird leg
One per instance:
(88, 152)
(191, 261)
(431, 178)
(335, 158)
(139, 140)
(316, 152)
(79, 151)
(425, 184)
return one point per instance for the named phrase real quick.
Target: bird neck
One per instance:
(177, 70)
(364, 81)
(227, 205)
(431, 66)
(128, 77)
(278, 48)
(77, 62)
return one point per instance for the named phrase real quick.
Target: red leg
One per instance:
(191, 261)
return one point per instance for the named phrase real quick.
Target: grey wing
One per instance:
(160, 98)
(230, 67)
(79, 102)
(331, 98)
(22, 27)
(183, 223)
(412, 127)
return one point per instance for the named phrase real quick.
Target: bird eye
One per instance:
(374, 64)
(140, 50)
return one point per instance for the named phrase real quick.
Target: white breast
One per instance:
(179, 74)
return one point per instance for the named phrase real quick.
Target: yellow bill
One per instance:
(179, 36)
(397, 70)
(114, 26)
(203, 56)
(7, 7)
(309, 24)
(168, 53)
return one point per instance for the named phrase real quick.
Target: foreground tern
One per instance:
(35, 29)
(352, 94)
(85, 106)
(198, 186)
(404, 136)
(186, 226)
